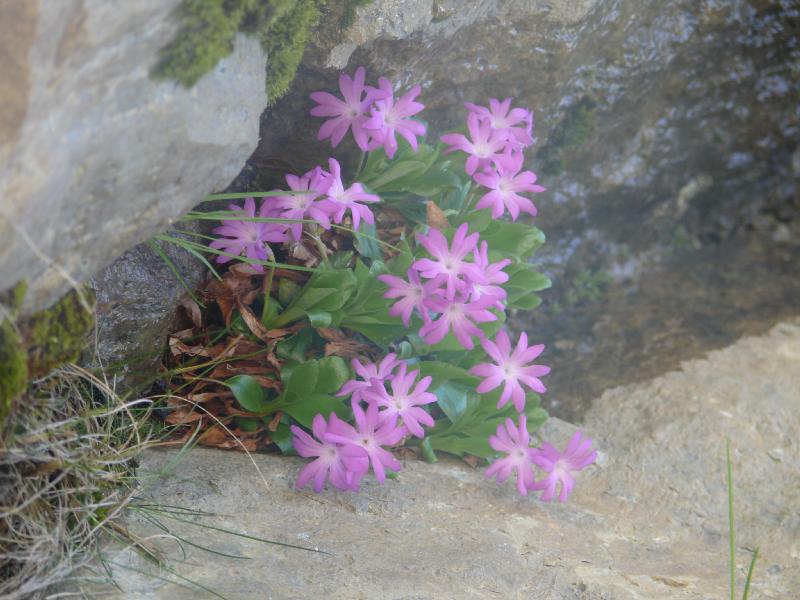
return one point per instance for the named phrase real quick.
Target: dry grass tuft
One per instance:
(66, 472)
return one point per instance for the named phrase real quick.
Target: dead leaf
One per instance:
(435, 216)
(193, 310)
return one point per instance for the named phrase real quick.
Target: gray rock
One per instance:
(135, 309)
(648, 521)
(95, 156)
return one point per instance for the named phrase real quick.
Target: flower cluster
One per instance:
(456, 293)
(373, 114)
(387, 405)
(498, 136)
(514, 441)
(321, 197)
(455, 285)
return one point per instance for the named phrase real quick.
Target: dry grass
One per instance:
(66, 472)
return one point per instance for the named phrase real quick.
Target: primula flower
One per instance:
(248, 237)
(505, 183)
(576, 456)
(511, 369)
(412, 294)
(485, 143)
(347, 113)
(373, 376)
(460, 317)
(493, 274)
(448, 264)
(390, 116)
(339, 200)
(304, 206)
(515, 442)
(345, 465)
(370, 434)
(404, 402)
(517, 123)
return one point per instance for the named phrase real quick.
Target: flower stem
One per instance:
(361, 163)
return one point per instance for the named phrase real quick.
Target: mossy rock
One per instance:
(57, 335)
(13, 367)
(208, 29)
(574, 130)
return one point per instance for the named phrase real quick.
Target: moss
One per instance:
(208, 29)
(13, 367)
(349, 14)
(57, 335)
(284, 42)
(573, 131)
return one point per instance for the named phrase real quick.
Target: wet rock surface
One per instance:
(648, 521)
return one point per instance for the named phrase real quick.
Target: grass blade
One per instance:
(749, 575)
(731, 541)
(158, 250)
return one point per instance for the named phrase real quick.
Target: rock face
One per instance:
(95, 156)
(649, 521)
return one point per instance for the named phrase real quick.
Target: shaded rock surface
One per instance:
(95, 156)
(649, 521)
(659, 150)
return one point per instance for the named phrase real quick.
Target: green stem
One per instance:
(267, 296)
(731, 542)
(323, 250)
(361, 163)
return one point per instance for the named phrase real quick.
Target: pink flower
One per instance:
(370, 434)
(347, 113)
(304, 206)
(460, 317)
(403, 402)
(493, 274)
(345, 465)
(560, 466)
(510, 369)
(412, 294)
(248, 237)
(373, 376)
(505, 183)
(485, 143)
(517, 123)
(390, 117)
(515, 442)
(448, 264)
(339, 200)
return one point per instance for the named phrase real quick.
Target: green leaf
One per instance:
(282, 438)
(248, 393)
(303, 380)
(516, 240)
(319, 318)
(399, 168)
(366, 243)
(287, 290)
(333, 373)
(304, 409)
(247, 424)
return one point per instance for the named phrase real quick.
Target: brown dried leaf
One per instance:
(346, 349)
(273, 424)
(193, 310)
(472, 461)
(435, 216)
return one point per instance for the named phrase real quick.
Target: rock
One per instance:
(136, 298)
(95, 156)
(648, 521)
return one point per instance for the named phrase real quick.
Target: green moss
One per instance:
(573, 131)
(57, 335)
(208, 29)
(13, 367)
(349, 15)
(284, 42)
